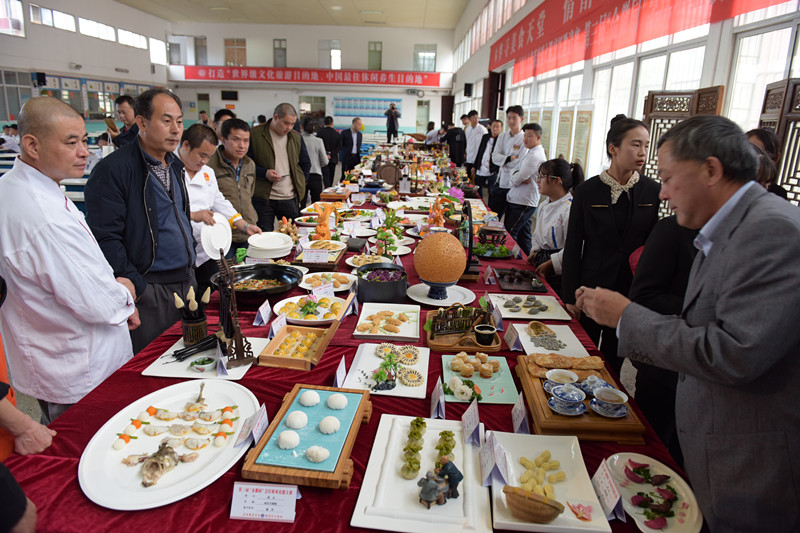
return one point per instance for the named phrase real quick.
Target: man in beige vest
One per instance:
(276, 147)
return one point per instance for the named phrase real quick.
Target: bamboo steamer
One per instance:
(530, 507)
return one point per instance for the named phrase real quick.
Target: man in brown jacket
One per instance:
(276, 146)
(236, 175)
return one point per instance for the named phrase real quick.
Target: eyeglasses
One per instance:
(540, 177)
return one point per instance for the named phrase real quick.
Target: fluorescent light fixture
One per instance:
(371, 12)
(336, 8)
(219, 8)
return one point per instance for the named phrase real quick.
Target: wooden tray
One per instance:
(330, 266)
(517, 286)
(267, 356)
(333, 196)
(459, 342)
(588, 426)
(339, 478)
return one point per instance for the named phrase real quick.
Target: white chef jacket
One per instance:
(507, 145)
(528, 169)
(204, 194)
(12, 143)
(551, 228)
(474, 136)
(64, 322)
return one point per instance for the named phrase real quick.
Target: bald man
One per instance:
(66, 318)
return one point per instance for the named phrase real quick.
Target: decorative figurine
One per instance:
(452, 474)
(432, 490)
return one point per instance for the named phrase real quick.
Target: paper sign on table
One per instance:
(253, 426)
(396, 260)
(493, 460)
(278, 324)
(352, 308)
(496, 312)
(519, 417)
(437, 400)
(348, 203)
(315, 256)
(381, 214)
(608, 493)
(512, 340)
(263, 315)
(375, 223)
(349, 225)
(496, 224)
(352, 187)
(326, 289)
(470, 421)
(516, 252)
(419, 227)
(488, 277)
(359, 198)
(222, 362)
(367, 172)
(405, 186)
(341, 374)
(332, 222)
(264, 502)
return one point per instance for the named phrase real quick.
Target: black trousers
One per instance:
(497, 200)
(350, 162)
(268, 210)
(606, 339)
(315, 186)
(328, 174)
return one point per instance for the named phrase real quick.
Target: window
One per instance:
(51, 17)
(651, 78)
(128, 38)
(612, 94)
(235, 52)
(279, 52)
(336, 55)
(330, 54)
(96, 29)
(374, 53)
(685, 69)
(158, 52)
(200, 51)
(11, 19)
(16, 90)
(312, 104)
(425, 57)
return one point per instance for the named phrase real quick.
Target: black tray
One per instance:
(517, 286)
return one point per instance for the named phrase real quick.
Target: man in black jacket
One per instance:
(124, 106)
(351, 146)
(485, 169)
(333, 143)
(457, 142)
(138, 210)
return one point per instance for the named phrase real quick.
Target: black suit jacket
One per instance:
(347, 142)
(333, 142)
(493, 169)
(595, 252)
(128, 136)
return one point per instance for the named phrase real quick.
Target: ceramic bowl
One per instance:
(592, 383)
(568, 396)
(610, 399)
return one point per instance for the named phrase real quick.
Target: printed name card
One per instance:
(263, 315)
(367, 172)
(495, 311)
(253, 427)
(352, 187)
(315, 256)
(512, 339)
(437, 400)
(358, 198)
(341, 374)
(278, 324)
(516, 252)
(608, 493)
(405, 186)
(332, 222)
(222, 362)
(263, 502)
(352, 307)
(324, 290)
(396, 260)
(496, 224)
(493, 460)
(519, 417)
(488, 277)
(470, 421)
(348, 226)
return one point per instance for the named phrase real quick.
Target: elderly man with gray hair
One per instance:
(736, 343)
(277, 147)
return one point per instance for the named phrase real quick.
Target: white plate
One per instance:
(261, 253)
(388, 501)
(299, 321)
(109, 483)
(414, 204)
(270, 240)
(344, 287)
(365, 232)
(564, 333)
(366, 361)
(366, 217)
(409, 331)
(166, 367)
(405, 241)
(455, 295)
(576, 489)
(413, 232)
(554, 311)
(349, 261)
(336, 245)
(413, 219)
(693, 519)
(215, 237)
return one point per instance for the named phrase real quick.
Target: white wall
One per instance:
(51, 50)
(302, 44)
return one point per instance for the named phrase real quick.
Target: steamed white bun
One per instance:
(309, 398)
(296, 420)
(288, 440)
(317, 454)
(329, 425)
(337, 401)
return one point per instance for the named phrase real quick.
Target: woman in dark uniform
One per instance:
(612, 214)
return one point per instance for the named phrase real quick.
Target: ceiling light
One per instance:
(371, 12)
(336, 8)
(219, 8)
(374, 22)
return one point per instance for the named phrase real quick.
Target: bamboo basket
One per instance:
(531, 507)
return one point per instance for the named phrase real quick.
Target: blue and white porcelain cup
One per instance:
(610, 400)
(567, 397)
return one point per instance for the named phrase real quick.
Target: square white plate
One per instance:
(366, 361)
(409, 331)
(576, 489)
(166, 367)
(564, 333)
(390, 502)
(554, 311)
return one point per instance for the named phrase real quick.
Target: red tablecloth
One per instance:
(50, 479)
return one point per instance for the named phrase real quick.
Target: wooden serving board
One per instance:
(326, 267)
(338, 479)
(267, 356)
(588, 426)
(460, 342)
(335, 196)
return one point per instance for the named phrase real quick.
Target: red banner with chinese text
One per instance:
(312, 75)
(561, 32)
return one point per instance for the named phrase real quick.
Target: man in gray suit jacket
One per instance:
(736, 343)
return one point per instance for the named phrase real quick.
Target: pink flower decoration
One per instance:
(455, 192)
(581, 512)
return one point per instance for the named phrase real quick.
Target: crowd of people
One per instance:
(702, 302)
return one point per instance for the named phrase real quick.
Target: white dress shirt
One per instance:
(204, 194)
(507, 145)
(64, 322)
(552, 219)
(526, 193)
(485, 169)
(11, 142)
(474, 136)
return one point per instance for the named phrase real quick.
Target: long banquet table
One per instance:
(50, 479)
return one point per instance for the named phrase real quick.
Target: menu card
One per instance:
(608, 493)
(512, 339)
(277, 325)
(519, 417)
(264, 502)
(470, 421)
(437, 400)
(315, 256)
(263, 315)
(341, 374)
(494, 461)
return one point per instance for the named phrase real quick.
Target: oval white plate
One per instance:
(405, 241)
(343, 287)
(320, 312)
(336, 246)
(349, 261)
(109, 483)
(217, 236)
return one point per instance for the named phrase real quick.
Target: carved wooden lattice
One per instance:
(664, 109)
(781, 113)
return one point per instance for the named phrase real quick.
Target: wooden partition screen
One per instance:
(664, 109)
(781, 112)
